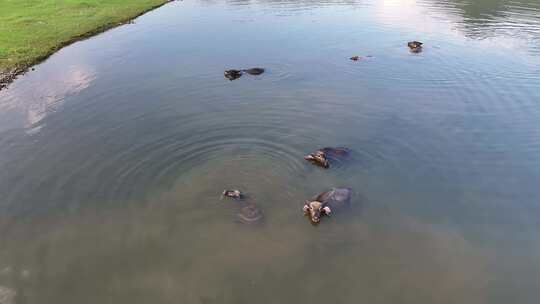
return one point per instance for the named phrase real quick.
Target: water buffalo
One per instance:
(326, 202)
(415, 46)
(236, 194)
(235, 74)
(322, 156)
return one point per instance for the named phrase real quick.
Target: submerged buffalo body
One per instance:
(326, 202)
(254, 71)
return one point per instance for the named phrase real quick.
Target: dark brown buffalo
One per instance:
(236, 194)
(415, 46)
(235, 74)
(232, 74)
(323, 156)
(326, 202)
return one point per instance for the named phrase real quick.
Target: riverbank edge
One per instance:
(7, 76)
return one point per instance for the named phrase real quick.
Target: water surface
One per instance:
(114, 152)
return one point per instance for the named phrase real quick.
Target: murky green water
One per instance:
(114, 152)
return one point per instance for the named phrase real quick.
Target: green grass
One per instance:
(30, 30)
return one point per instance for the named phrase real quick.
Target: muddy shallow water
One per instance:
(115, 151)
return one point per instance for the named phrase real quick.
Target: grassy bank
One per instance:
(31, 30)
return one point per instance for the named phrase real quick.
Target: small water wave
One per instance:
(124, 170)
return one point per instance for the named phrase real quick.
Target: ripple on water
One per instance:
(139, 150)
(155, 161)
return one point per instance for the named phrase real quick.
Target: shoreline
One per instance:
(7, 76)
